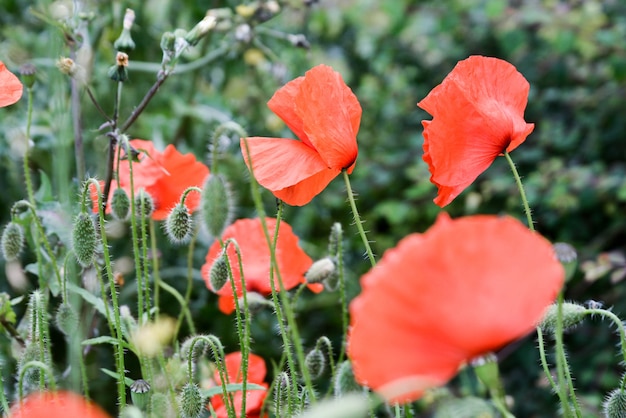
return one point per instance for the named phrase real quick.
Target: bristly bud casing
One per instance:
(218, 275)
(145, 201)
(573, 314)
(84, 239)
(179, 224)
(191, 401)
(336, 236)
(614, 406)
(315, 363)
(216, 205)
(66, 319)
(12, 241)
(321, 270)
(120, 204)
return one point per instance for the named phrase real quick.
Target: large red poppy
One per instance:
(325, 115)
(10, 87)
(164, 175)
(56, 405)
(292, 261)
(478, 113)
(439, 299)
(254, 398)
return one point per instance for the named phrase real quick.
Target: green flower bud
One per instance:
(573, 314)
(191, 401)
(219, 275)
(66, 319)
(140, 394)
(315, 363)
(179, 225)
(125, 42)
(160, 406)
(120, 204)
(168, 40)
(12, 241)
(84, 240)
(143, 199)
(216, 205)
(614, 406)
(282, 389)
(27, 71)
(344, 381)
(201, 30)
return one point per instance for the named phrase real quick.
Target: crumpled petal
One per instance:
(442, 298)
(10, 87)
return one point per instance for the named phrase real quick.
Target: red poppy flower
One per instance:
(325, 115)
(439, 299)
(164, 175)
(56, 405)
(254, 398)
(478, 113)
(255, 254)
(10, 87)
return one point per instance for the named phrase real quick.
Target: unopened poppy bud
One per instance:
(191, 401)
(566, 254)
(256, 302)
(344, 381)
(119, 71)
(27, 71)
(84, 239)
(614, 406)
(573, 314)
(218, 275)
(12, 241)
(282, 394)
(315, 363)
(120, 204)
(66, 319)
(334, 241)
(125, 42)
(140, 394)
(321, 270)
(201, 29)
(299, 41)
(145, 201)
(179, 224)
(200, 346)
(216, 204)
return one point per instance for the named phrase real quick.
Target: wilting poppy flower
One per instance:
(56, 405)
(439, 299)
(478, 114)
(10, 87)
(164, 175)
(254, 398)
(292, 261)
(325, 115)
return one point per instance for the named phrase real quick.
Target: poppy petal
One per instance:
(10, 87)
(331, 115)
(291, 170)
(283, 105)
(56, 405)
(463, 288)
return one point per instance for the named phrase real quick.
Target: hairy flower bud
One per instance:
(315, 363)
(573, 314)
(120, 204)
(179, 224)
(614, 406)
(84, 239)
(321, 270)
(218, 275)
(334, 241)
(145, 201)
(12, 241)
(66, 319)
(344, 381)
(216, 205)
(191, 401)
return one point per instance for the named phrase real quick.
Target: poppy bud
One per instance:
(334, 241)
(200, 346)
(12, 241)
(145, 201)
(218, 276)
(66, 319)
(125, 42)
(139, 393)
(344, 381)
(120, 204)
(573, 314)
(179, 224)
(191, 401)
(321, 270)
(282, 389)
(216, 204)
(566, 254)
(256, 302)
(315, 363)
(614, 405)
(84, 239)
(27, 71)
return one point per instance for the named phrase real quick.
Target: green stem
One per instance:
(357, 219)
(345, 321)
(544, 363)
(185, 304)
(520, 186)
(561, 360)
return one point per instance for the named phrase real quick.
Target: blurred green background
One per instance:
(391, 53)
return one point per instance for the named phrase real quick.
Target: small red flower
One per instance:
(56, 405)
(10, 87)
(478, 113)
(325, 115)
(439, 299)
(255, 254)
(164, 175)
(254, 398)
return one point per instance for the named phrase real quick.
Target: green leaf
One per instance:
(90, 298)
(231, 387)
(127, 380)
(105, 339)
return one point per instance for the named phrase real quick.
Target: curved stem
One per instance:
(520, 186)
(357, 219)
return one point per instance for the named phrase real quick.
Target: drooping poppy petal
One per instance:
(478, 113)
(292, 261)
(10, 87)
(56, 405)
(254, 398)
(442, 298)
(325, 115)
(164, 175)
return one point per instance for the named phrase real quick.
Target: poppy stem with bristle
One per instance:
(522, 193)
(357, 219)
